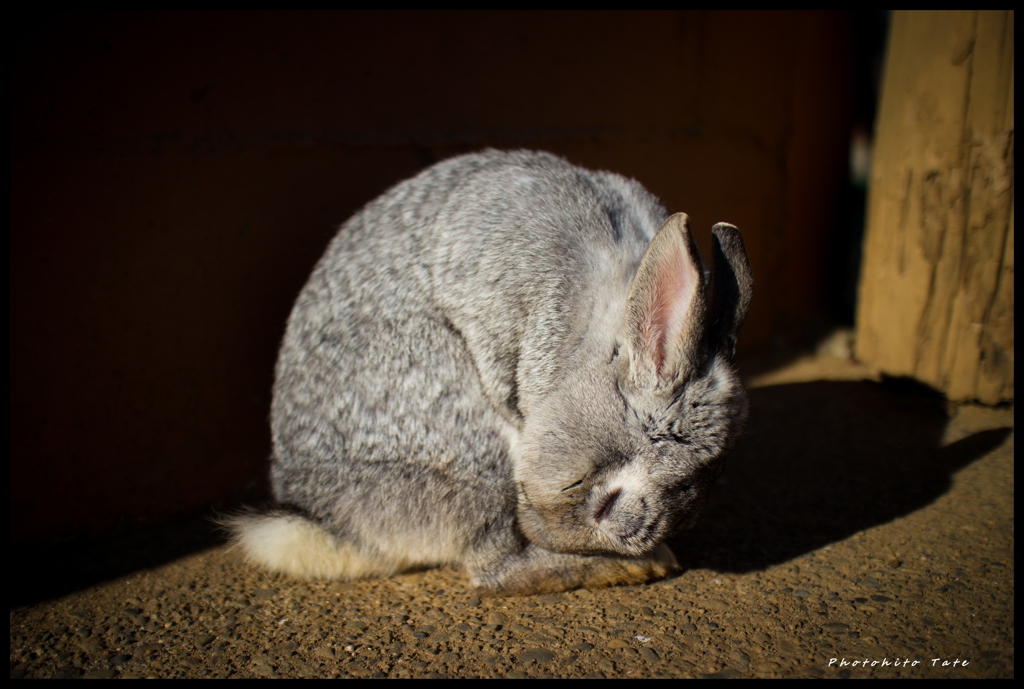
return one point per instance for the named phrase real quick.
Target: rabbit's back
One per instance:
(438, 315)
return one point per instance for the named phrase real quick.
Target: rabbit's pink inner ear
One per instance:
(662, 296)
(671, 297)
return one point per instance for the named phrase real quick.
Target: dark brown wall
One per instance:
(175, 177)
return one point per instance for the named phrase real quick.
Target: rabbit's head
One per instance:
(624, 451)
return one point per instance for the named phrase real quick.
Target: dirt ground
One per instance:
(863, 528)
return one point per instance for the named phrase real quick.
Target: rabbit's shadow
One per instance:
(820, 462)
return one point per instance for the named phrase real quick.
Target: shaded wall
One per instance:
(175, 177)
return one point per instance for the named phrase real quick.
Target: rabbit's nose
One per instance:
(606, 505)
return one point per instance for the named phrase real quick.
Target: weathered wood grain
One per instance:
(936, 291)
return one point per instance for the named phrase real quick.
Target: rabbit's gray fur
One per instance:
(466, 379)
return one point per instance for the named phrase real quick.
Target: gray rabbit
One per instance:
(503, 364)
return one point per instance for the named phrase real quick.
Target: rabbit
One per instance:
(507, 364)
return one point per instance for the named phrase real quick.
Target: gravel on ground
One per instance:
(863, 528)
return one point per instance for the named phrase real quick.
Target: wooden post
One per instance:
(936, 289)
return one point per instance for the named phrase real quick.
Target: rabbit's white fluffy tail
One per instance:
(294, 545)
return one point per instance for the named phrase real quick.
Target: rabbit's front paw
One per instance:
(536, 570)
(622, 571)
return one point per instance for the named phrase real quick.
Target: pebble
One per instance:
(148, 650)
(135, 615)
(739, 656)
(541, 655)
(650, 655)
(262, 668)
(496, 618)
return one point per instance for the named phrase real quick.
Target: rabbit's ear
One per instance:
(731, 288)
(665, 308)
